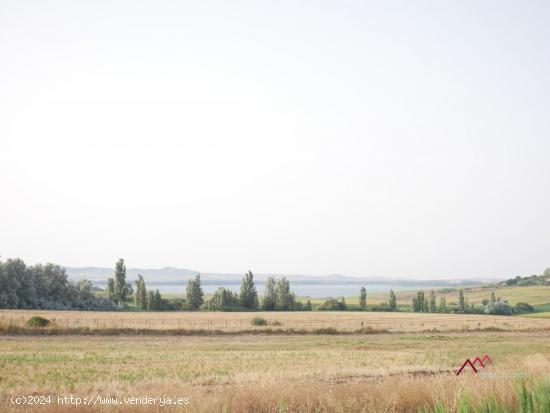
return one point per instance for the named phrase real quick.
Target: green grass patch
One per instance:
(538, 315)
(529, 399)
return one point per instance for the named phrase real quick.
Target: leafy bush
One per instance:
(498, 308)
(326, 330)
(223, 300)
(472, 309)
(276, 323)
(382, 307)
(37, 321)
(259, 321)
(173, 304)
(522, 307)
(333, 305)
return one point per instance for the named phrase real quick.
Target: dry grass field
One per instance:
(242, 321)
(408, 366)
(259, 373)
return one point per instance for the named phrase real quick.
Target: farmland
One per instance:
(544, 314)
(306, 361)
(350, 321)
(259, 373)
(537, 296)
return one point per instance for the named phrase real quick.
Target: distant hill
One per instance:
(172, 275)
(101, 273)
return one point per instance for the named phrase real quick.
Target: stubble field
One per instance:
(307, 321)
(266, 373)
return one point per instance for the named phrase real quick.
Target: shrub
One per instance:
(37, 321)
(276, 323)
(383, 307)
(370, 330)
(523, 308)
(498, 308)
(326, 330)
(223, 300)
(333, 305)
(259, 321)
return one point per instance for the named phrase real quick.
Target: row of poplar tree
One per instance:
(120, 291)
(278, 295)
(421, 303)
(333, 304)
(494, 305)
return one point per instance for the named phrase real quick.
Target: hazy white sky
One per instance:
(406, 139)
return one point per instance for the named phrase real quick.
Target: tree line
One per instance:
(493, 305)
(543, 279)
(46, 287)
(278, 295)
(121, 292)
(339, 304)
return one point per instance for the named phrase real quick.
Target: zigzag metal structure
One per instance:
(481, 361)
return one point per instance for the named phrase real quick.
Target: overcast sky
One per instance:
(404, 139)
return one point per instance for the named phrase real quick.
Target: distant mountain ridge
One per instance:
(172, 275)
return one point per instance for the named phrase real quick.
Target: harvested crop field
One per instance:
(259, 373)
(349, 321)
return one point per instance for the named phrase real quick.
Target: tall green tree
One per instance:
(194, 293)
(461, 301)
(393, 301)
(284, 297)
(248, 296)
(269, 301)
(140, 295)
(223, 300)
(151, 301)
(84, 290)
(154, 300)
(493, 297)
(363, 298)
(28, 296)
(415, 305)
(14, 272)
(442, 305)
(158, 300)
(433, 305)
(111, 289)
(420, 302)
(121, 287)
